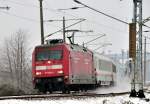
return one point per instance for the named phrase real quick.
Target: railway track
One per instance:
(59, 96)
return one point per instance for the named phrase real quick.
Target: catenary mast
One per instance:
(137, 81)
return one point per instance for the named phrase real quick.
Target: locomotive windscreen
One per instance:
(49, 55)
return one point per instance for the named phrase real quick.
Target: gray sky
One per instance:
(24, 14)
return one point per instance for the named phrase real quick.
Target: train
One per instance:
(59, 66)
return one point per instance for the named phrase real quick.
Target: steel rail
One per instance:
(58, 96)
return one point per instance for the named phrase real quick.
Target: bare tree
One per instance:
(16, 60)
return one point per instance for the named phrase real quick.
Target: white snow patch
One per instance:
(122, 85)
(104, 100)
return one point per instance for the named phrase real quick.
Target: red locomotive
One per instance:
(59, 66)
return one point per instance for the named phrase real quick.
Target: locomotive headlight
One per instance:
(40, 67)
(59, 79)
(59, 66)
(60, 72)
(66, 77)
(56, 66)
(38, 73)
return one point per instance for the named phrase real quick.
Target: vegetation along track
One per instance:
(59, 96)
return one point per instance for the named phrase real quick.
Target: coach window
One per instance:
(114, 68)
(100, 67)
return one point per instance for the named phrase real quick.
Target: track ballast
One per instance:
(60, 96)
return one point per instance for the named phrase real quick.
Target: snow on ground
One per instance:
(122, 85)
(104, 100)
(101, 100)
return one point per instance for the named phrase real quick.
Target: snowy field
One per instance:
(101, 100)
(108, 100)
(122, 85)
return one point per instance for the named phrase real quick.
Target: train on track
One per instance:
(58, 66)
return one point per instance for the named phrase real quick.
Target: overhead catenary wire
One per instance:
(87, 20)
(22, 4)
(49, 9)
(53, 10)
(33, 6)
(101, 12)
(45, 9)
(65, 28)
(7, 8)
(102, 46)
(98, 44)
(119, 20)
(86, 36)
(21, 17)
(62, 20)
(95, 39)
(24, 18)
(11, 1)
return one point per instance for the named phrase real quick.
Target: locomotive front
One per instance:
(49, 68)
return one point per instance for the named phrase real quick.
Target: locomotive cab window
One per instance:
(49, 55)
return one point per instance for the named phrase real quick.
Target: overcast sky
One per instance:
(24, 14)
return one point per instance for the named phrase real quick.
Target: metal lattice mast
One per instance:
(140, 43)
(137, 18)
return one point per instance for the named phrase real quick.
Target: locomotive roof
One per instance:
(103, 57)
(74, 47)
(48, 45)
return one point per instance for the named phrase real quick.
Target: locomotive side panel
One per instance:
(81, 67)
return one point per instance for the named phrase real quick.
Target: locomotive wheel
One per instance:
(50, 88)
(42, 89)
(66, 90)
